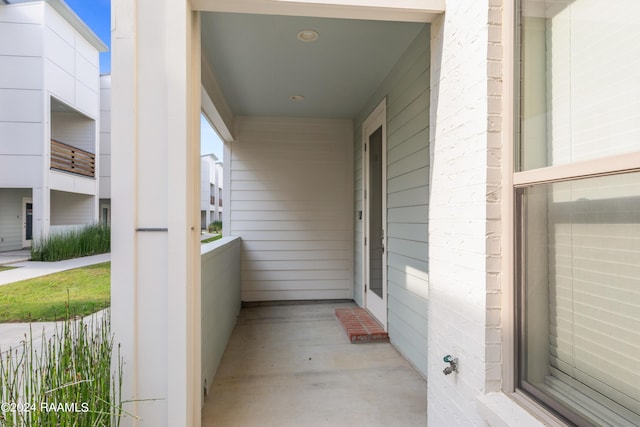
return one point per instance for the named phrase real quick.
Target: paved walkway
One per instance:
(11, 334)
(31, 269)
(12, 257)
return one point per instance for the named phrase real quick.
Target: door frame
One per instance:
(23, 210)
(106, 206)
(377, 306)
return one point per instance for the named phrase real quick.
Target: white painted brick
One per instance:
(495, 34)
(495, 104)
(493, 245)
(494, 68)
(494, 142)
(493, 335)
(466, 71)
(494, 51)
(493, 354)
(495, 15)
(494, 318)
(493, 283)
(495, 85)
(494, 158)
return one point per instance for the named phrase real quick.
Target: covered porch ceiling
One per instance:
(264, 68)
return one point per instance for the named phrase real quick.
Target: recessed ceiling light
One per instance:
(308, 35)
(296, 97)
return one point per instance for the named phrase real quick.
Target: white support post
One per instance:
(155, 251)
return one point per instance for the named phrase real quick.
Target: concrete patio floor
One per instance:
(293, 365)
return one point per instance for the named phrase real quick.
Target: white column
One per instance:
(155, 222)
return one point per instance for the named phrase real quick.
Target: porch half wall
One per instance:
(292, 205)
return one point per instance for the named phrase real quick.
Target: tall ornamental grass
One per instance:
(91, 240)
(66, 380)
(215, 227)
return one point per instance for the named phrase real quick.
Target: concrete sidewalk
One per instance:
(11, 257)
(31, 269)
(13, 334)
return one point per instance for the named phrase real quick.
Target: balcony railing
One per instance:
(66, 158)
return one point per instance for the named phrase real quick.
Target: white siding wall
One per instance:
(219, 178)
(21, 86)
(407, 92)
(105, 137)
(207, 178)
(72, 71)
(45, 56)
(11, 217)
(72, 209)
(207, 189)
(291, 202)
(74, 129)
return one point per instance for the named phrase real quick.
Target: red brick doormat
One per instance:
(360, 326)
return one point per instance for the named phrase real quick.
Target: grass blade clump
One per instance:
(91, 240)
(64, 380)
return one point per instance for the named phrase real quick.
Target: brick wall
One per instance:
(464, 249)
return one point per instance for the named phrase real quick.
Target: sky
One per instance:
(97, 15)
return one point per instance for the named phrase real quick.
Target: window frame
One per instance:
(514, 239)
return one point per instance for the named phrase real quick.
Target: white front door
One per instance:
(374, 132)
(27, 222)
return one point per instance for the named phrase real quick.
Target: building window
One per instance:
(577, 193)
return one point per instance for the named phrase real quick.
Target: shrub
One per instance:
(215, 227)
(65, 380)
(91, 240)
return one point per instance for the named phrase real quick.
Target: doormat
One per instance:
(360, 326)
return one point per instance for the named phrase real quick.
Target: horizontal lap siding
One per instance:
(71, 208)
(407, 92)
(291, 203)
(407, 202)
(75, 130)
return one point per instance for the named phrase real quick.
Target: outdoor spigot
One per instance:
(453, 364)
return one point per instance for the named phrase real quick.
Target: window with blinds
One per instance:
(577, 192)
(582, 295)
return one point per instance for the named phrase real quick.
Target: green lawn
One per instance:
(3, 268)
(83, 290)
(211, 239)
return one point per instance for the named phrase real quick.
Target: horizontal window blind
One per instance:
(594, 295)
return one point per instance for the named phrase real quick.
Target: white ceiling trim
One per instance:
(384, 10)
(214, 105)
